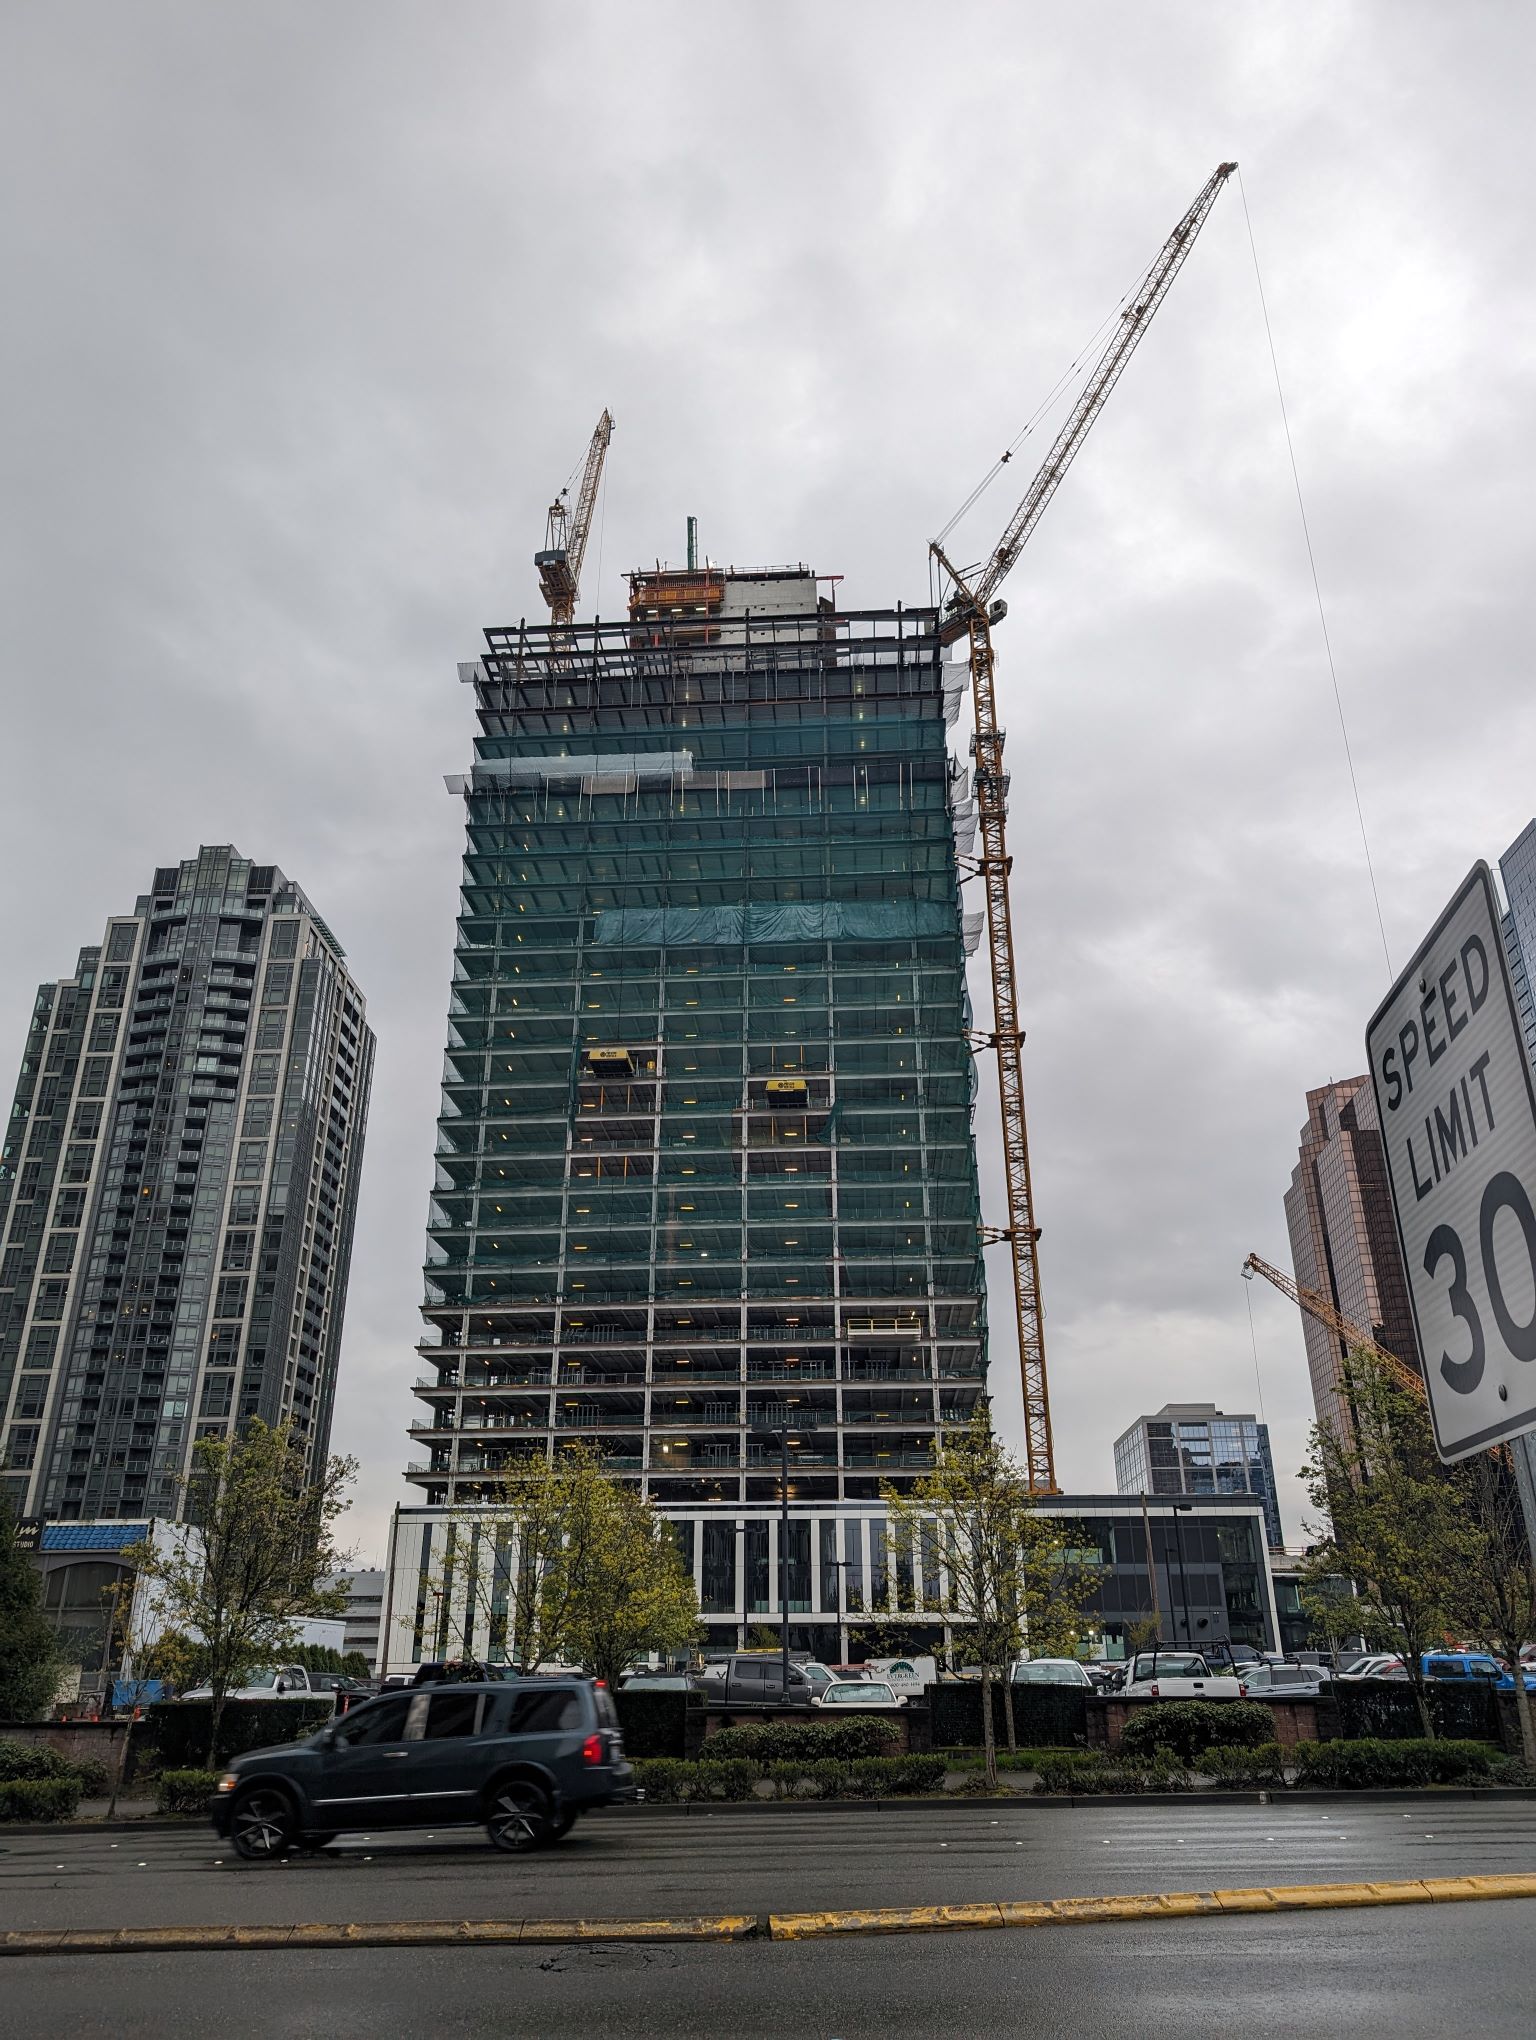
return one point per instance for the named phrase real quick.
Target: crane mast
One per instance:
(971, 613)
(565, 533)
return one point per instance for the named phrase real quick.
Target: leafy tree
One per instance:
(31, 1653)
(633, 1594)
(1002, 1567)
(1398, 1526)
(1496, 1597)
(566, 1561)
(175, 1658)
(256, 1550)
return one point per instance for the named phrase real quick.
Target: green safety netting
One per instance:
(792, 921)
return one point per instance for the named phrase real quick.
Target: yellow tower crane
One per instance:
(1317, 1306)
(970, 610)
(565, 532)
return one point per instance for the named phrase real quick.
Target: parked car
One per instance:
(1284, 1681)
(1381, 1665)
(1479, 1667)
(658, 1682)
(523, 1757)
(1178, 1675)
(272, 1682)
(752, 1677)
(1050, 1671)
(821, 1676)
(859, 1693)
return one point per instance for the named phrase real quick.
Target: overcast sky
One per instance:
(310, 309)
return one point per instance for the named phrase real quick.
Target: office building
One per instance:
(178, 1182)
(1181, 1572)
(705, 1184)
(1344, 1243)
(1197, 1449)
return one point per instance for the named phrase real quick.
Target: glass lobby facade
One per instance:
(178, 1186)
(705, 1178)
(1194, 1570)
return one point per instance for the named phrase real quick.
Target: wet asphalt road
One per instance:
(643, 1864)
(1404, 1973)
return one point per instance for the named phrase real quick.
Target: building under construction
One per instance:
(706, 1180)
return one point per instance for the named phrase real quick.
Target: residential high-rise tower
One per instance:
(178, 1184)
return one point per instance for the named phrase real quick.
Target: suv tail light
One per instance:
(592, 1750)
(1155, 1690)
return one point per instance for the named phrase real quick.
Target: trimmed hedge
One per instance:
(1185, 1728)
(770, 1742)
(177, 1730)
(43, 1799)
(1257, 1765)
(1044, 1716)
(671, 1780)
(660, 1724)
(26, 1761)
(1369, 1761)
(184, 1791)
(1085, 1771)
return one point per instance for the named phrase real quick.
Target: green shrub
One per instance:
(1373, 1763)
(28, 1760)
(95, 1777)
(1061, 1770)
(185, 1791)
(1260, 1765)
(669, 1779)
(784, 1742)
(42, 1799)
(1187, 1727)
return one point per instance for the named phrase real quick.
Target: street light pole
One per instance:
(784, 1562)
(1178, 1538)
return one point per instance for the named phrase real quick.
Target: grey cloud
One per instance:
(311, 309)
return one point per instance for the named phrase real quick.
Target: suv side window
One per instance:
(452, 1714)
(383, 1722)
(536, 1710)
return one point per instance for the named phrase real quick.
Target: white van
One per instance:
(906, 1676)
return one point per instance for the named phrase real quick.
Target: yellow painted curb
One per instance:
(728, 1927)
(372, 1934)
(1164, 1905)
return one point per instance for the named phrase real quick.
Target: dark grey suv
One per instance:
(521, 1756)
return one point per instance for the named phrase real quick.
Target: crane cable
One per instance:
(1322, 616)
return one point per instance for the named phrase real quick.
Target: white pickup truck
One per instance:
(1177, 1675)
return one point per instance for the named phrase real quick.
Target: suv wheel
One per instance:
(262, 1825)
(517, 1818)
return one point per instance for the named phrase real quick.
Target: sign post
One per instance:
(1457, 1106)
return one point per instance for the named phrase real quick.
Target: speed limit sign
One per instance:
(1457, 1108)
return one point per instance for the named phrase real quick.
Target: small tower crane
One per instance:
(1317, 1306)
(565, 533)
(972, 611)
